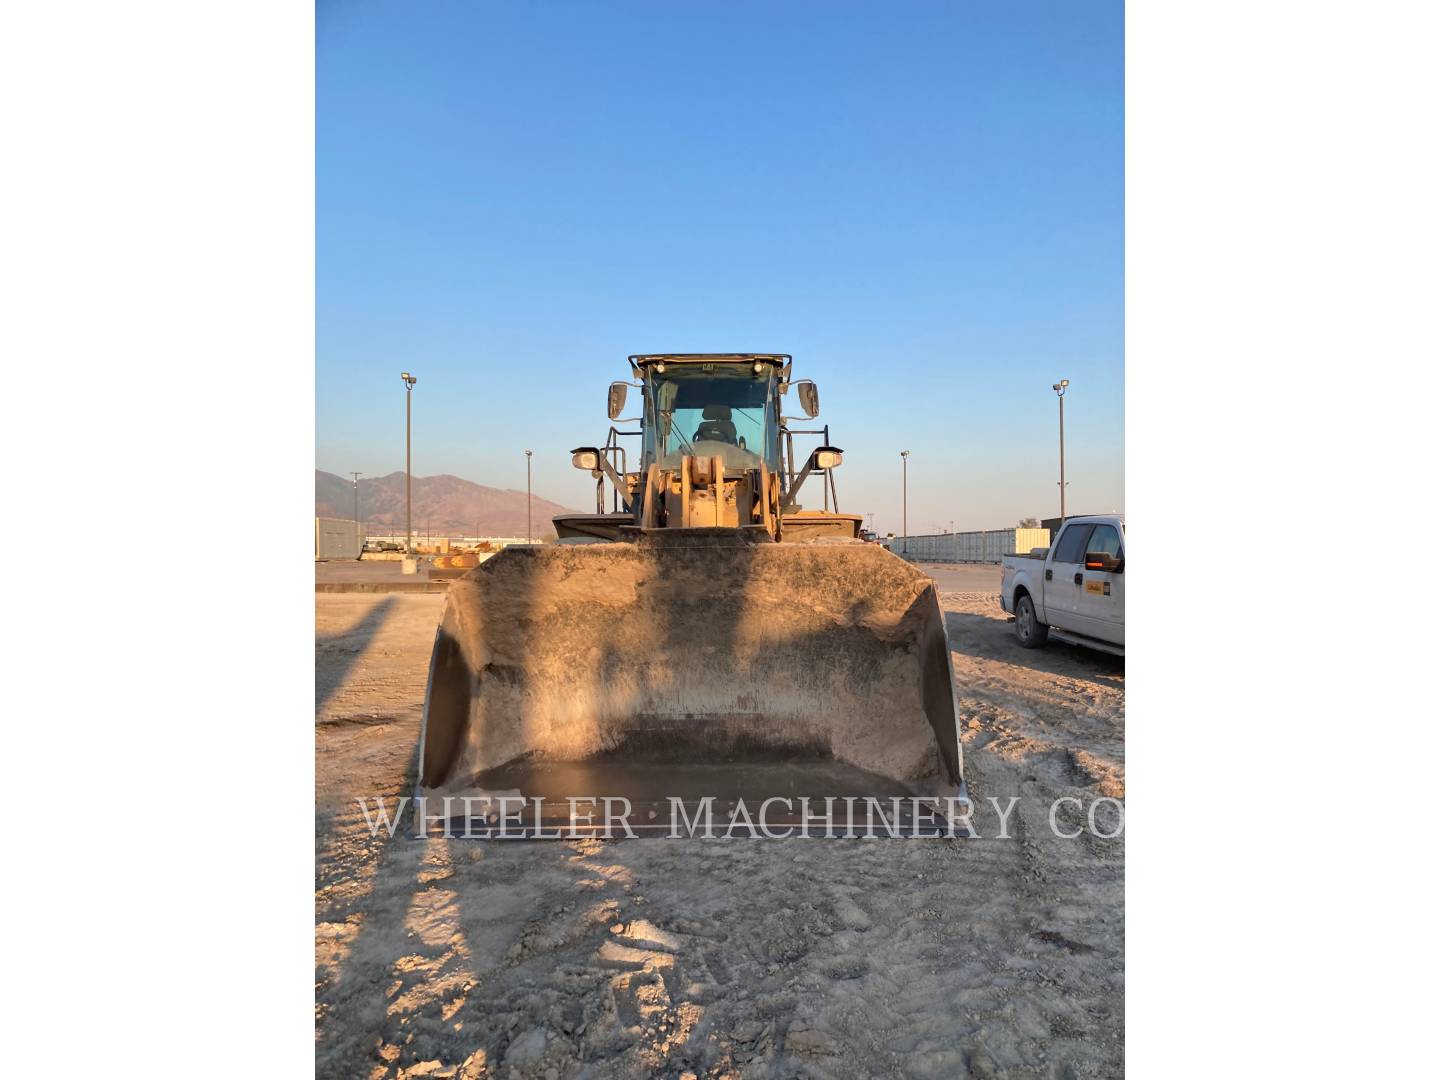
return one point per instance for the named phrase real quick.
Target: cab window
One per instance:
(1072, 543)
(1105, 540)
(711, 410)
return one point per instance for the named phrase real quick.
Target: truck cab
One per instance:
(1073, 590)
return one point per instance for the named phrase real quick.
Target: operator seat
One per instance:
(715, 425)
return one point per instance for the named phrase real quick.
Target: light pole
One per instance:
(409, 385)
(528, 454)
(1059, 389)
(355, 480)
(904, 502)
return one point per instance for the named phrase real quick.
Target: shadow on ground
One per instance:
(337, 654)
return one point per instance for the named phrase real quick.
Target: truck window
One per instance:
(1104, 540)
(1071, 547)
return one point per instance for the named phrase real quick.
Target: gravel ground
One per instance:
(831, 958)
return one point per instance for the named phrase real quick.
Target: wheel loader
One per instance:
(702, 644)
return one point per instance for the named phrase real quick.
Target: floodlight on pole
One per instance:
(904, 502)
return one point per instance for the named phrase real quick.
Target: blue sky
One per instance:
(922, 202)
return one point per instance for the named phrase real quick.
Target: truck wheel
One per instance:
(1029, 630)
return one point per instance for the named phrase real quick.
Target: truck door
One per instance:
(1101, 611)
(1063, 576)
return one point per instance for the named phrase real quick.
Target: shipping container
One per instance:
(986, 546)
(337, 538)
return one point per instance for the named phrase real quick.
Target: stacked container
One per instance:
(986, 546)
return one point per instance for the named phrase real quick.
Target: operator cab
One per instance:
(708, 407)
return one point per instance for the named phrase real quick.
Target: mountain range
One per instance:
(440, 505)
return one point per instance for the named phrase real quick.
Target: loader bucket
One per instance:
(691, 665)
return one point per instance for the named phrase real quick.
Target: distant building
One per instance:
(337, 538)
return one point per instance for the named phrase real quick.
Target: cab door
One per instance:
(1064, 577)
(1101, 602)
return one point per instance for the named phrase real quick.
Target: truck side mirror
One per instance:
(809, 398)
(1099, 560)
(617, 399)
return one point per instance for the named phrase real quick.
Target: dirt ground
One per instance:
(830, 958)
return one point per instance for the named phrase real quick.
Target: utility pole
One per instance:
(528, 454)
(1059, 389)
(409, 385)
(904, 502)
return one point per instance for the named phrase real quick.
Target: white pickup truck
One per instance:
(1074, 589)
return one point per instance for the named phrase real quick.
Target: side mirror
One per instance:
(585, 457)
(1096, 560)
(616, 403)
(809, 398)
(827, 457)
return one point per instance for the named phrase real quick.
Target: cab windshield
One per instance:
(711, 410)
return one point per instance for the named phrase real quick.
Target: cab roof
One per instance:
(644, 360)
